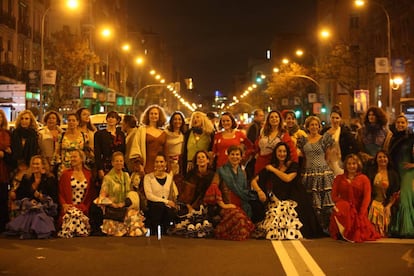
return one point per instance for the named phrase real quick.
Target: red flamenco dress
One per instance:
(234, 223)
(349, 218)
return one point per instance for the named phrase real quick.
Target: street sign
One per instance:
(381, 65)
(398, 66)
(361, 100)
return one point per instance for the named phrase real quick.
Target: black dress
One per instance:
(105, 144)
(269, 182)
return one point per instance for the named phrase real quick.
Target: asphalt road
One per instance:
(181, 256)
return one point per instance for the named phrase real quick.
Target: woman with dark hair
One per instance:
(278, 184)
(289, 117)
(385, 186)
(49, 134)
(108, 141)
(175, 140)
(161, 193)
(351, 193)
(197, 181)
(36, 197)
(227, 136)
(5, 169)
(345, 142)
(230, 195)
(150, 138)
(374, 134)
(272, 133)
(24, 138)
(69, 140)
(401, 149)
(88, 129)
(194, 220)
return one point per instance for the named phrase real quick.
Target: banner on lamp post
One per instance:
(49, 77)
(381, 65)
(361, 100)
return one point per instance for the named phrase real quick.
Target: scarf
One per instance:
(374, 134)
(237, 183)
(293, 130)
(197, 130)
(30, 147)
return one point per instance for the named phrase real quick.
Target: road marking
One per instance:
(307, 258)
(284, 258)
(287, 261)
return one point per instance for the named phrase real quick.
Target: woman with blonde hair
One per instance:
(351, 193)
(317, 176)
(24, 138)
(36, 197)
(200, 136)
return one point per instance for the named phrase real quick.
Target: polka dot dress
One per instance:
(78, 189)
(75, 223)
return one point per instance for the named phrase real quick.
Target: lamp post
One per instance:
(42, 60)
(106, 33)
(360, 3)
(72, 4)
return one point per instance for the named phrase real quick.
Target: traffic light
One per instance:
(260, 77)
(298, 113)
(323, 109)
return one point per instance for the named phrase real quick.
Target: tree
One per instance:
(341, 64)
(290, 81)
(70, 56)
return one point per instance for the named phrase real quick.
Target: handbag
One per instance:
(117, 214)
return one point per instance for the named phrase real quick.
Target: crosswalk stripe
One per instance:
(307, 258)
(284, 258)
(288, 262)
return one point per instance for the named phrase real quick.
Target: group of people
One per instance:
(276, 180)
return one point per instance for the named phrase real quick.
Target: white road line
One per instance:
(284, 258)
(307, 258)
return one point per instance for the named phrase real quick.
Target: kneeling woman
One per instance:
(36, 197)
(76, 193)
(161, 193)
(230, 193)
(280, 179)
(351, 193)
(119, 206)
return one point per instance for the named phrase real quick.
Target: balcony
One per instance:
(8, 20)
(24, 29)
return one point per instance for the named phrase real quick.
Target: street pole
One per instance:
(389, 56)
(387, 16)
(42, 61)
(142, 89)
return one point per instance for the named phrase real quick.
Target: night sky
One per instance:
(211, 40)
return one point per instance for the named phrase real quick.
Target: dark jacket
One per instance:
(347, 141)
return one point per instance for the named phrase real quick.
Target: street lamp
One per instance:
(106, 34)
(360, 3)
(71, 4)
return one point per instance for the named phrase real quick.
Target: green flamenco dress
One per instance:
(402, 224)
